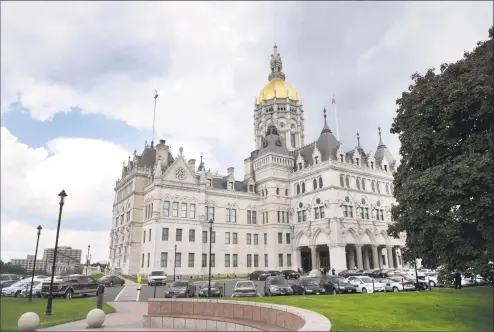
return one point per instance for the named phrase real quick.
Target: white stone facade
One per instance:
(312, 206)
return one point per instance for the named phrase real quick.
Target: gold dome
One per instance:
(282, 88)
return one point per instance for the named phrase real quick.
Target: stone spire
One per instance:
(325, 128)
(381, 144)
(201, 165)
(276, 66)
(382, 151)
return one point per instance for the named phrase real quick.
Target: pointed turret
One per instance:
(327, 143)
(273, 142)
(201, 165)
(359, 147)
(383, 152)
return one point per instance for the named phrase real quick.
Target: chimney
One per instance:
(162, 151)
(231, 171)
(192, 164)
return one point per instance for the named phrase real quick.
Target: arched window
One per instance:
(391, 189)
(373, 186)
(342, 180)
(357, 182)
(387, 189)
(303, 187)
(378, 186)
(347, 181)
(320, 182)
(278, 191)
(298, 188)
(363, 184)
(314, 184)
(319, 209)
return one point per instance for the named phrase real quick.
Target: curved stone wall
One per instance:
(224, 315)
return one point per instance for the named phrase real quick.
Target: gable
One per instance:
(180, 171)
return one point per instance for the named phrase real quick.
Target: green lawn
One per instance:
(468, 309)
(97, 276)
(64, 311)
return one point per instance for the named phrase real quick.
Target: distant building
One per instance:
(67, 259)
(28, 263)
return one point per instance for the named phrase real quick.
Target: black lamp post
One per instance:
(175, 263)
(39, 228)
(62, 196)
(88, 258)
(210, 247)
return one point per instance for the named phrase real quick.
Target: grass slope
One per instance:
(468, 309)
(64, 311)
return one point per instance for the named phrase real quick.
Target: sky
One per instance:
(78, 80)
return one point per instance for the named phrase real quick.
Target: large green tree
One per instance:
(444, 185)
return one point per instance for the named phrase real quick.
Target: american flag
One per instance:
(155, 94)
(333, 101)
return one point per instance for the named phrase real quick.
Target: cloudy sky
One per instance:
(77, 83)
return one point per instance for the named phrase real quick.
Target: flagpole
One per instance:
(333, 103)
(154, 113)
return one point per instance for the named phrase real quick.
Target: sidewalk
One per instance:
(128, 317)
(128, 293)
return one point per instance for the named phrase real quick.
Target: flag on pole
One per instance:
(333, 101)
(155, 94)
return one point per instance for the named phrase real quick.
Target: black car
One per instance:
(258, 275)
(307, 286)
(70, 286)
(277, 286)
(181, 289)
(111, 281)
(350, 273)
(336, 285)
(274, 273)
(290, 274)
(216, 289)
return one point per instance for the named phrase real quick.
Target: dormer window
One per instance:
(230, 185)
(341, 157)
(357, 161)
(277, 191)
(251, 188)
(372, 164)
(210, 182)
(385, 168)
(316, 160)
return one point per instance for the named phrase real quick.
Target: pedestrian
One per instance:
(333, 271)
(457, 280)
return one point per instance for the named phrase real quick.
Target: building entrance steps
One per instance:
(129, 293)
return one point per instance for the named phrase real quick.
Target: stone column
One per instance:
(337, 257)
(367, 259)
(360, 263)
(390, 256)
(313, 257)
(375, 258)
(297, 258)
(351, 257)
(398, 263)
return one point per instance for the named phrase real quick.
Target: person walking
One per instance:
(457, 280)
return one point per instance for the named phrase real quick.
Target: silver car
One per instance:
(397, 284)
(36, 289)
(245, 289)
(15, 289)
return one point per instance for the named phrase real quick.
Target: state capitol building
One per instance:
(298, 206)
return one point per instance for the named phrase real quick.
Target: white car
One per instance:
(157, 277)
(365, 284)
(398, 284)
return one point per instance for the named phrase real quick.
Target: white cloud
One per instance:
(19, 240)
(32, 178)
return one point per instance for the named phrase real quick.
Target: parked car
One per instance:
(15, 289)
(290, 274)
(421, 285)
(363, 284)
(181, 289)
(111, 281)
(157, 277)
(397, 284)
(8, 277)
(244, 289)
(307, 286)
(258, 275)
(336, 285)
(216, 289)
(349, 273)
(274, 273)
(36, 289)
(70, 286)
(277, 286)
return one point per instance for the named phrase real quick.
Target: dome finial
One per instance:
(380, 136)
(358, 140)
(324, 111)
(276, 66)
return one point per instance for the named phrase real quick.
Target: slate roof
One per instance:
(273, 143)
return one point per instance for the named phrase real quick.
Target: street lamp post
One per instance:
(175, 263)
(88, 258)
(39, 228)
(48, 312)
(210, 247)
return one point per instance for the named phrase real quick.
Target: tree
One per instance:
(444, 185)
(9, 268)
